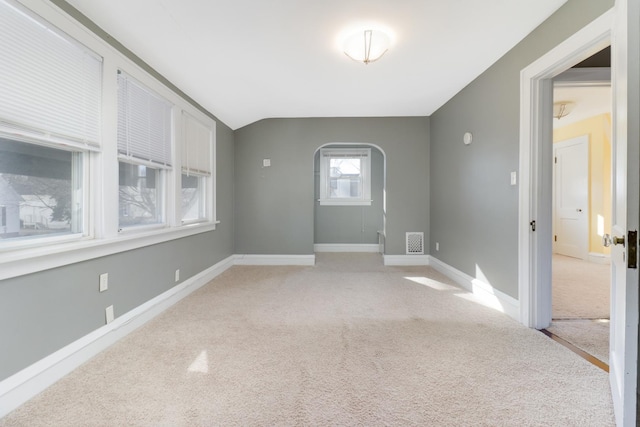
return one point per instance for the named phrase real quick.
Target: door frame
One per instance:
(582, 140)
(536, 151)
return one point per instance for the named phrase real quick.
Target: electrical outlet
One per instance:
(266, 163)
(109, 314)
(177, 275)
(104, 282)
(437, 246)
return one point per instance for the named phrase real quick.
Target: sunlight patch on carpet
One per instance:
(201, 364)
(433, 284)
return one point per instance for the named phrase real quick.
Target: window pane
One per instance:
(140, 192)
(192, 198)
(345, 178)
(40, 190)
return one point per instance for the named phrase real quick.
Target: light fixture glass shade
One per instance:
(562, 108)
(367, 46)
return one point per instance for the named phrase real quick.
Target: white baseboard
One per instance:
(275, 259)
(598, 258)
(22, 386)
(485, 293)
(406, 259)
(346, 247)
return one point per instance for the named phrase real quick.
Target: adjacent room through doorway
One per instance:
(581, 272)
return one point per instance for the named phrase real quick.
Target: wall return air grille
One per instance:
(415, 243)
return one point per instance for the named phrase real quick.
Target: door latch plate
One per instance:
(632, 241)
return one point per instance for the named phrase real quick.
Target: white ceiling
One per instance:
(246, 60)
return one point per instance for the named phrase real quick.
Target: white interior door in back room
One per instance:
(571, 197)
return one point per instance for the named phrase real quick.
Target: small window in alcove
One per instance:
(345, 177)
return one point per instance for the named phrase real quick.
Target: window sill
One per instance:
(335, 202)
(26, 261)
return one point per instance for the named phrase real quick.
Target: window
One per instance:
(144, 148)
(344, 176)
(60, 191)
(50, 100)
(140, 196)
(40, 191)
(193, 193)
(196, 168)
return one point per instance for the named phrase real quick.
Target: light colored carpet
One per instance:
(581, 295)
(589, 335)
(328, 345)
(580, 289)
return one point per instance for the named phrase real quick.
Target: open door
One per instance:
(623, 362)
(619, 27)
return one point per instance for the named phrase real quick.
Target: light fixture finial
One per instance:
(562, 109)
(367, 46)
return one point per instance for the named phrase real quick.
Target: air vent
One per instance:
(415, 243)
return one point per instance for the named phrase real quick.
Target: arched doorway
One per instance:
(347, 216)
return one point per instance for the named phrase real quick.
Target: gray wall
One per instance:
(351, 224)
(275, 205)
(44, 311)
(474, 210)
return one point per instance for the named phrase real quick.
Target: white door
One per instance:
(626, 157)
(571, 197)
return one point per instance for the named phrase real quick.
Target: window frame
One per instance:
(326, 155)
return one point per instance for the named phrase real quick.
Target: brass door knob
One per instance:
(607, 240)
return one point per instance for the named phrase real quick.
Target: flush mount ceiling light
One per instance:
(562, 109)
(367, 45)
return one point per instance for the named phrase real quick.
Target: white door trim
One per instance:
(536, 99)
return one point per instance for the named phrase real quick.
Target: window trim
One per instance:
(326, 154)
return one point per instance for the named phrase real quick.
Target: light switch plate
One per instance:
(266, 163)
(514, 178)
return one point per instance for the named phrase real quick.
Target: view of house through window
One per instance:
(41, 191)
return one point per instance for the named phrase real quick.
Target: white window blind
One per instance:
(144, 123)
(49, 83)
(196, 148)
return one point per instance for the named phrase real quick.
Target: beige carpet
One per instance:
(347, 342)
(589, 335)
(581, 295)
(580, 289)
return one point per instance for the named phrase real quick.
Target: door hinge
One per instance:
(533, 225)
(555, 237)
(632, 242)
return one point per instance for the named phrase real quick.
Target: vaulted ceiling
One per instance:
(246, 60)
